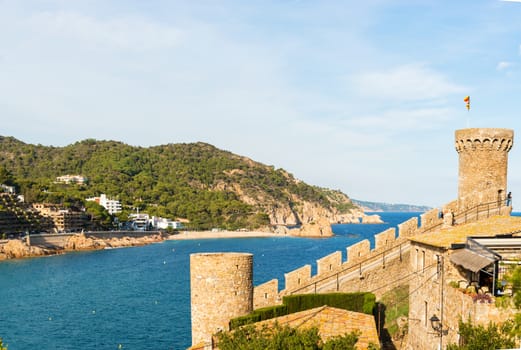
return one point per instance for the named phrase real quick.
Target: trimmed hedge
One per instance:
(262, 314)
(358, 302)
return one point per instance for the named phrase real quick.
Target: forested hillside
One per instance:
(196, 181)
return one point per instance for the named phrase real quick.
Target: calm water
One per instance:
(137, 297)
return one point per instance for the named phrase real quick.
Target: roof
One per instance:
(445, 237)
(332, 322)
(470, 260)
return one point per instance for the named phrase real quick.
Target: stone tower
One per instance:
(221, 287)
(483, 161)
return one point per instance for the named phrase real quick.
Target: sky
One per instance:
(358, 96)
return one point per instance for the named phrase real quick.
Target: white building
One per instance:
(140, 222)
(163, 224)
(113, 206)
(67, 179)
(7, 189)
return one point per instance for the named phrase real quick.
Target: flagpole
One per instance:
(467, 104)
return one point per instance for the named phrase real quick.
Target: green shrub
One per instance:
(244, 320)
(277, 337)
(271, 312)
(358, 302)
(480, 337)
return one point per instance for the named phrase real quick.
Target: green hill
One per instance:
(196, 181)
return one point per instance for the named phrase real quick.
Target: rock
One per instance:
(15, 249)
(371, 219)
(319, 228)
(281, 230)
(81, 242)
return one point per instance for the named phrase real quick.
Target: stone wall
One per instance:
(431, 294)
(221, 288)
(296, 278)
(329, 263)
(358, 250)
(408, 228)
(266, 294)
(483, 161)
(385, 239)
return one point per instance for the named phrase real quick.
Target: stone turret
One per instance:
(221, 289)
(483, 161)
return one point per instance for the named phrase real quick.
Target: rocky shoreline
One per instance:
(17, 249)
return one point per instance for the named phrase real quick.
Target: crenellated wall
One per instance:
(298, 278)
(430, 218)
(385, 239)
(408, 228)
(266, 294)
(358, 251)
(364, 269)
(329, 263)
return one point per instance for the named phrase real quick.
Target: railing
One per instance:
(370, 259)
(473, 214)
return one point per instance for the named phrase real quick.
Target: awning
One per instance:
(470, 260)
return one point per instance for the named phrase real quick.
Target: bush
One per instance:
(271, 312)
(480, 337)
(244, 320)
(277, 337)
(358, 302)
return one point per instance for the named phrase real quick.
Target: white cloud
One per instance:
(503, 65)
(402, 120)
(131, 33)
(413, 82)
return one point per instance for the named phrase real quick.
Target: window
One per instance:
(438, 266)
(425, 313)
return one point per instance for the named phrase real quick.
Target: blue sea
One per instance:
(139, 298)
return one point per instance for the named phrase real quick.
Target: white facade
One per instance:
(163, 224)
(113, 206)
(67, 179)
(140, 222)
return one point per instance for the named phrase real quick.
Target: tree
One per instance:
(2, 347)
(277, 337)
(6, 177)
(480, 337)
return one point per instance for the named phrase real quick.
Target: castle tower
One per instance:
(221, 288)
(483, 161)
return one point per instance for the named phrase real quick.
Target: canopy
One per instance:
(470, 260)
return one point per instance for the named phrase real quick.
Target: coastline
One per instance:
(187, 235)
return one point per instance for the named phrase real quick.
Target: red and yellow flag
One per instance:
(467, 102)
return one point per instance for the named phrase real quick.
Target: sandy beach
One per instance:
(222, 234)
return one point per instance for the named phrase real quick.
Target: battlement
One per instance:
(483, 162)
(484, 139)
(388, 245)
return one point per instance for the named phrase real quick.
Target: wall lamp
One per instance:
(437, 326)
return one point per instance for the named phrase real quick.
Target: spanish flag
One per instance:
(467, 102)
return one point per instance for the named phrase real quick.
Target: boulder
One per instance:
(371, 219)
(318, 228)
